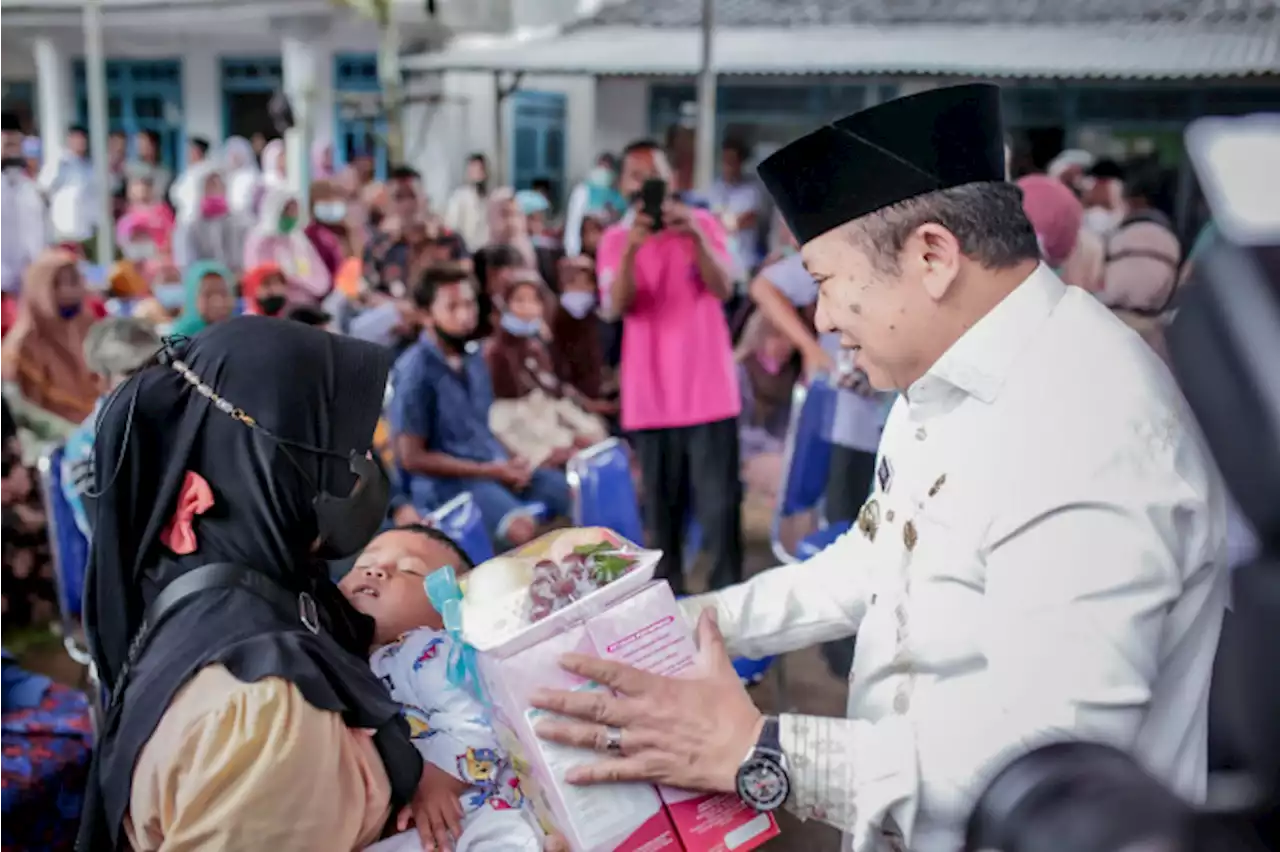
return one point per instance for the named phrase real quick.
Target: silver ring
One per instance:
(613, 740)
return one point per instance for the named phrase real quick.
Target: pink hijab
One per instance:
(321, 159)
(1055, 213)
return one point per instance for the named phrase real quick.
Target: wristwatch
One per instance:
(764, 782)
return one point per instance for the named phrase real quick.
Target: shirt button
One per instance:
(901, 703)
(921, 434)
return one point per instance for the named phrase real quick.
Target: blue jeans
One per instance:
(499, 506)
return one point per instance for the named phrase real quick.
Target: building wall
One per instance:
(201, 58)
(461, 118)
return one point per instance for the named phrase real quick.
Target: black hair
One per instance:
(737, 146)
(986, 218)
(440, 537)
(434, 279)
(153, 137)
(540, 183)
(78, 128)
(11, 123)
(117, 134)
(403, 172)
(640, 146)
(1107, 169)
(199, 143)
(493, 257)
(478, 157)
(607, 158)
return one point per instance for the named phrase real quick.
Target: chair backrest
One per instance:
(460, 520)
(603, 492)
(70, 549)
(807, 460)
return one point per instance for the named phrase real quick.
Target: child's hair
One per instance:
(440, 537)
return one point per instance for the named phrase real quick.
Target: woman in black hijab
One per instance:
(242, 713)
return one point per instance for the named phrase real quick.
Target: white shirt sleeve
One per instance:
(575, 211)
(1080, 578)
(793, 606)
(453, 213)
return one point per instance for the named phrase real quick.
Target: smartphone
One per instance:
(652, 194)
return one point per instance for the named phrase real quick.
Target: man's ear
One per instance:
(936, 252)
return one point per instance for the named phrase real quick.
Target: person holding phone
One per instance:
(664, 270)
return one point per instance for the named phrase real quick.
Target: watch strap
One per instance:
(770, 735)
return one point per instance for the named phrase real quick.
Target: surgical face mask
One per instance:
(170, 296)
(600, 176)
(331, 212)
(578, 303)
(138, 250)
(288, 223)
(512, 324)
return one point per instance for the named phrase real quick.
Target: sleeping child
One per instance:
(472, 793)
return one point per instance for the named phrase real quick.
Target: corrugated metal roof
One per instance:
(781, 13)
(1135, 52)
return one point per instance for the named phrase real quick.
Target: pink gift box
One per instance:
(633, 620)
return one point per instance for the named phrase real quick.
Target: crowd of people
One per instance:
(481, 347)
(522, 335)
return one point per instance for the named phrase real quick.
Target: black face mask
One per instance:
(346, 524)
(452, 342)
(482, 186)
(271, 305)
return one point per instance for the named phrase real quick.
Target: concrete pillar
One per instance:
(55, 96)
(300, 60)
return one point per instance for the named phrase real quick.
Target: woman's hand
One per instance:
(435, 810)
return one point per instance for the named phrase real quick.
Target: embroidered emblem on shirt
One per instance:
(884, 474)
(937, 485)
(909, 536)
(888, 516)
(869, 519)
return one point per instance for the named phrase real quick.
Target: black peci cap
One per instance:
(888, 153)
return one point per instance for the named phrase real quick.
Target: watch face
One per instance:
(763, 783)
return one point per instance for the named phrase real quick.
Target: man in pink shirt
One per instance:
(667, 281)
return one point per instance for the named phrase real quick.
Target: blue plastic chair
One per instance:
(460, 520)
(603, 494)
(806, 466)
(70, 551)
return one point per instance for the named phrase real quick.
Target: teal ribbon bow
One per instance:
(446, 596)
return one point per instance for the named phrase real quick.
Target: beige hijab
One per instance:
(43, 352)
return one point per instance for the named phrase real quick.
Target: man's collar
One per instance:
(979, 362)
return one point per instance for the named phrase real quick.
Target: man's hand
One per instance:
(677, 216)
(689, 733)
(641, 228)
(435, 810)
(514, 474)
(406, 515)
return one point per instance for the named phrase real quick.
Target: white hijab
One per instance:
(240, 167)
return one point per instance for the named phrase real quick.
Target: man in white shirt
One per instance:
(1041, 558)
(738, 200)
(22, 231)
(68, 184)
